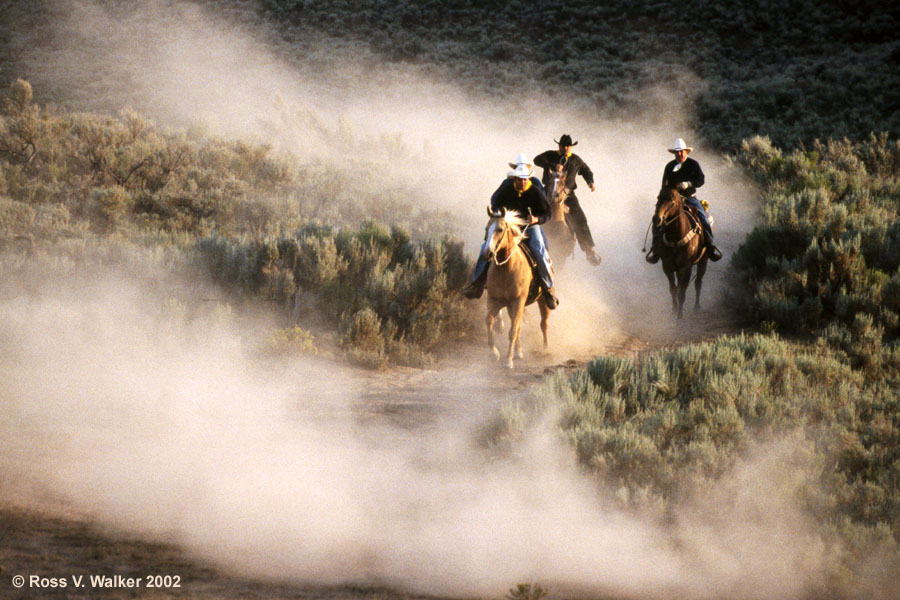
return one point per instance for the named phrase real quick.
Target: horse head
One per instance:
(504, 232)
(669, 204)
(557, 193)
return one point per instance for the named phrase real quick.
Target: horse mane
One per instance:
(667, 193)
(513, 217)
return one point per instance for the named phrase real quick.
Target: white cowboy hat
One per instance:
(679, 146)
(520, 159)
(522, 172)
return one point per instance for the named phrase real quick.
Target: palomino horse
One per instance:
(559, 235)
(509, 279)
(681, 246)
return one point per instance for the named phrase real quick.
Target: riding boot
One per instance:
(475, 289)
(652, 256)
(551, 300)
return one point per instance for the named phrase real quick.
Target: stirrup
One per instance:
(652, 257)
(473, 291)
(714, 253)
(592, 257)
(550, 299)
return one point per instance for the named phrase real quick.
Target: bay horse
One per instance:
(509, 280)
(681, 246)
(560, 236)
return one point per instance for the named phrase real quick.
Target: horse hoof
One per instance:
(496, 353)
(509, 365)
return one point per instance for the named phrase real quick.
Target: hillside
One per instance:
(793, 71)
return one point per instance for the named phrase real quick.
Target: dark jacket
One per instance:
(573, 165)
(508, 197)
(690, 171)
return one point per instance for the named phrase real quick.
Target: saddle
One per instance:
(535, 290)
(694, 217)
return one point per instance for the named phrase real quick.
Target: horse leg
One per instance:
(519, 353)
(684, 280)
(515, 310)
(545, 317)
(493, 309)
(673, 290)
(698, 283)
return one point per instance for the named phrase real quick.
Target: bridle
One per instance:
(676, 207)
(672, 206)
(514, 240)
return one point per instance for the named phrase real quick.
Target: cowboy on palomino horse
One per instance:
(569, 166)
(522, 193)
(511, 281)
(684, 174)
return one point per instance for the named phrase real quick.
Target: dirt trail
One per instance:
(52, 540)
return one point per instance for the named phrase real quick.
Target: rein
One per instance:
(688, 237)
(512, 246)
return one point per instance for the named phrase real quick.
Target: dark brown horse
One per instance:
(681, 245)
(509, 279)
(560, 237)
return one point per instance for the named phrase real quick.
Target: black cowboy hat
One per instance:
(565, 140)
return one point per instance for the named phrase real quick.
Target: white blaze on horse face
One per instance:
(489, 247)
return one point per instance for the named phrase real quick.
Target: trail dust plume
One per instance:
(168, 431)
(180, 64)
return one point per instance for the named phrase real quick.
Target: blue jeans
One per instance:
(537, 243)
(704, 219)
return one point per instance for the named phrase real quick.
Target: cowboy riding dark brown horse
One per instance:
(681, 245)
(561, 169)
(559, 232)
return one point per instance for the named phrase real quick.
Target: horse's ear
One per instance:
(490, 212)
(502, 211)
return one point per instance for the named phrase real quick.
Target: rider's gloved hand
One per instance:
(684, 185)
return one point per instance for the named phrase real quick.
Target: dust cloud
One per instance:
(172, 430)
(182, 65)
(175, 433)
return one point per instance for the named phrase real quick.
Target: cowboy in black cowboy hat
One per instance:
(571, 165)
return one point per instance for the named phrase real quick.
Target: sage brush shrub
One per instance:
(82, 186)
(828, 247)
(391, 299)
(122, 172)
(663, 427)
